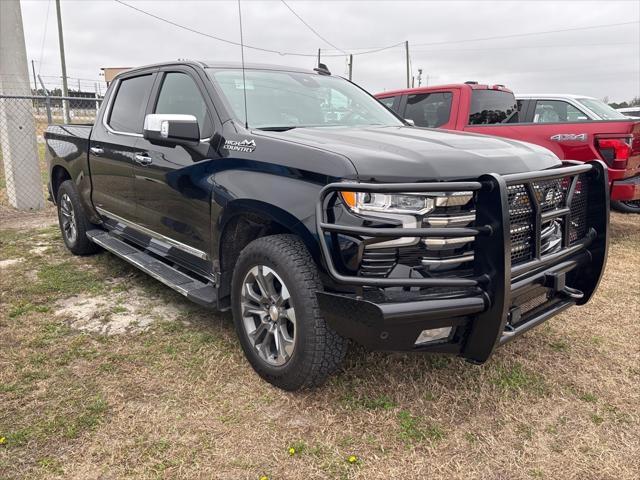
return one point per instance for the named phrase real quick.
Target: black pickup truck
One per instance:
(318, 216)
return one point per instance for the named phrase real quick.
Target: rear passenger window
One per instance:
(550, 111)
(430, 110)
(489, 107)
(129, 105)
(180, 95)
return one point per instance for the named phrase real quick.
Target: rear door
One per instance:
(556, 111)
(171, 181)
(113, 146)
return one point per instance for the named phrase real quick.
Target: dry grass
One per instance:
(174, 397)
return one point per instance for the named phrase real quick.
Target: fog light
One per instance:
(432, 335)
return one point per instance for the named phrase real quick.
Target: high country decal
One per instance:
(240, 146)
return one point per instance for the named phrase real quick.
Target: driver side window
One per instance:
(179, 94)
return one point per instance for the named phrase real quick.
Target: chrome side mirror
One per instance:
(410, 122)
(171, 128)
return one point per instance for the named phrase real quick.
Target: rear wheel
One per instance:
(73, 221)
(629, 206)
(276, 314)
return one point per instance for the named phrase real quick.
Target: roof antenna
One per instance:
(244, 80)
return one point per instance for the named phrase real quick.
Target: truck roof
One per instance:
(551, 95)
(222, 64)
(431, 88)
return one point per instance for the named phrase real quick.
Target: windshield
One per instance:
(282, 100)
(492, 106)
(604, 111)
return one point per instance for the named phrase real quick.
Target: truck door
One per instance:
(172, 181)
(113, 146)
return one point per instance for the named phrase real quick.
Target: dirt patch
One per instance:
(10, 262)
(39, 250)
(115, 313)
(15, 219)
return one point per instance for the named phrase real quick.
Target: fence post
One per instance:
(47, 101)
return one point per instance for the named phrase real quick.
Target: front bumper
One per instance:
(626, 190)
(494, 305)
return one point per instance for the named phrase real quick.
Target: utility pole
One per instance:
(350, 66)
(65, 89)
(17, 125)
(318, 58)
(35, 83)
(406, 49)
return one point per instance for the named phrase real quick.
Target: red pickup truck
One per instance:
(493, 110)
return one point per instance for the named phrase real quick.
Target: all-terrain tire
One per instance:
(318, 351)
(73, 221)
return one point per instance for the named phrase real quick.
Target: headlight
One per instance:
(403, 203)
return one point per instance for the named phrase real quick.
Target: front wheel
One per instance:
(276, 314)
(629, 206)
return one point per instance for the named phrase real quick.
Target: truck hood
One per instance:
(408, 154)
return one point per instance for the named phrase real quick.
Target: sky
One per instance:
(451, 41)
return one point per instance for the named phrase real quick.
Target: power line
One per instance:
(312, 29)
(566, 45)
(237, 44)
(447, 42)
(366, 50)
(514, 35)
(44, 36)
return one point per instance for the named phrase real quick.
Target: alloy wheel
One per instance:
(68, 218)
(267, 315)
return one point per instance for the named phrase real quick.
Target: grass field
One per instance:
(105, 373)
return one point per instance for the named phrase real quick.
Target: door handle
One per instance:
(97, 150)
(143, 159)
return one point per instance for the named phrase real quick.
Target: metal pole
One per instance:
(35, 84)
(65, 89)
(47, 101)
(18, 147)
(318, 58)
(350, 66)
(36, 103)
(406, 49)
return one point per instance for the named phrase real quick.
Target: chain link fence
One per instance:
(23, 121)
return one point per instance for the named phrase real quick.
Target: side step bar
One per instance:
(195, 290)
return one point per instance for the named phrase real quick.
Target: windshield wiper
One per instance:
(276, 129)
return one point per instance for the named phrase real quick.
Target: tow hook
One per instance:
(572, 293)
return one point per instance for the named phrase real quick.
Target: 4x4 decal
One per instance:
(572, 137)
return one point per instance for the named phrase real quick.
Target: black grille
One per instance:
(578, 227)
(534, 303)
(551, 195)
(378, 263)
(521, 227)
